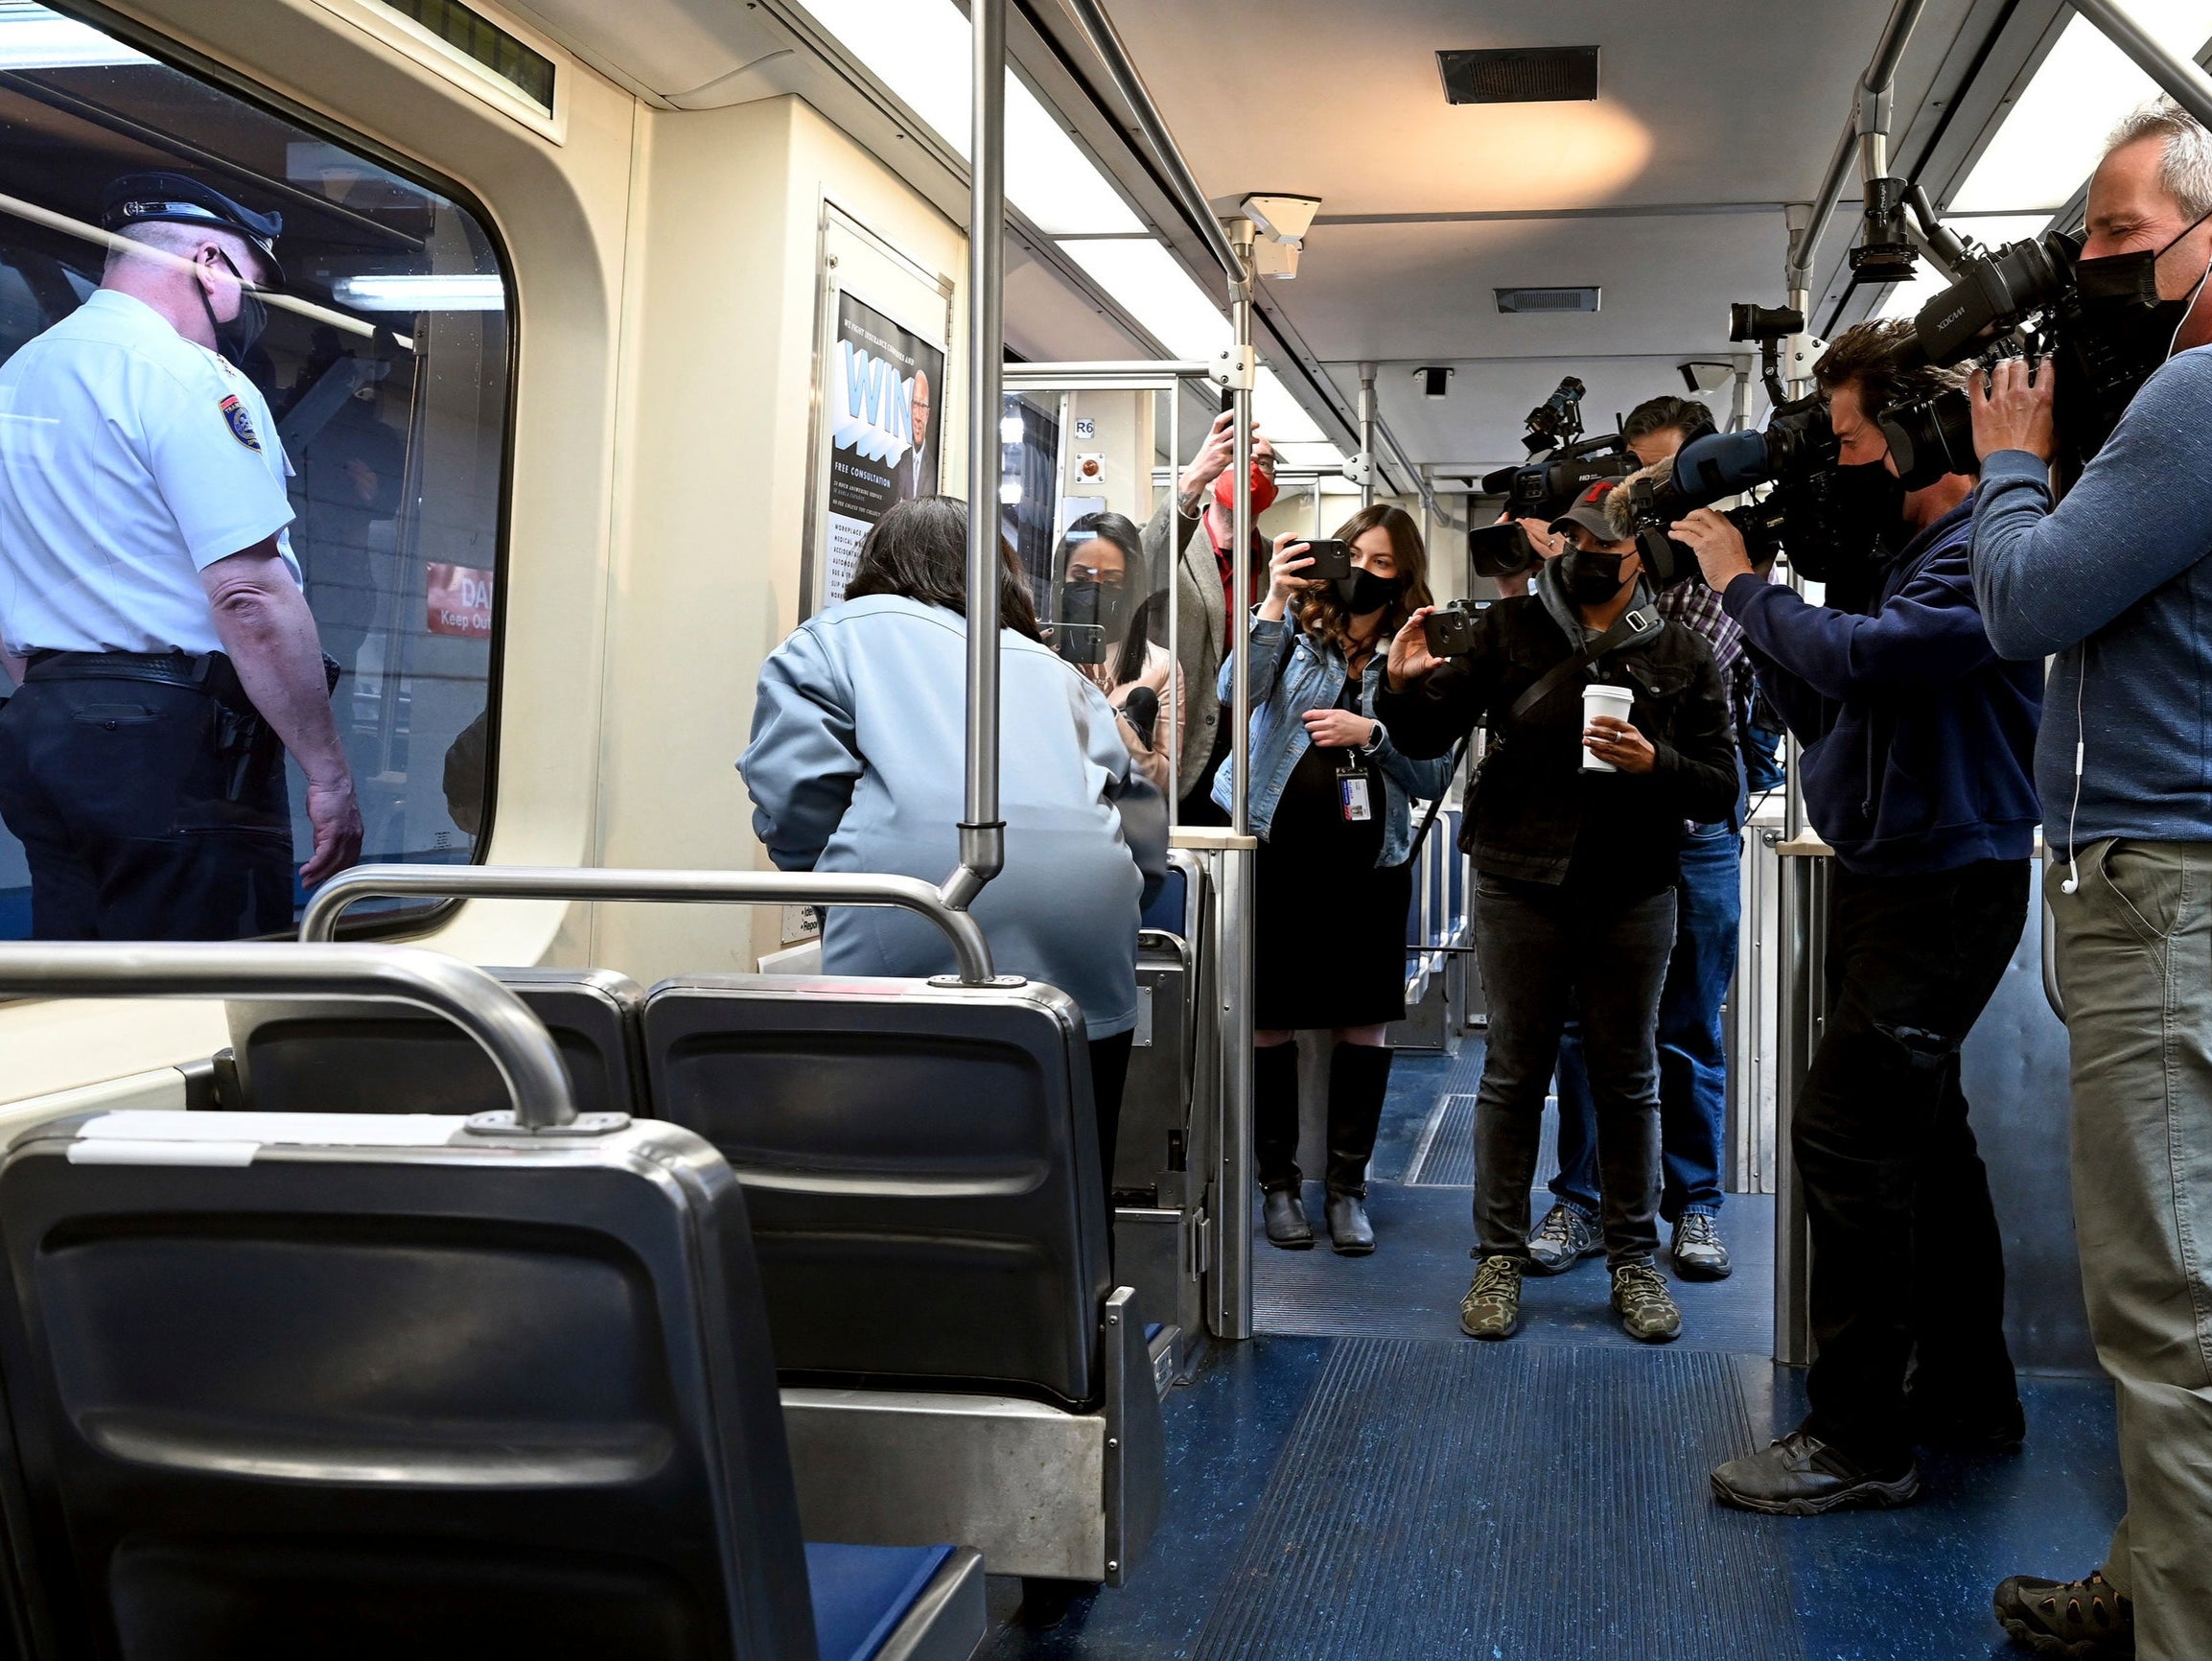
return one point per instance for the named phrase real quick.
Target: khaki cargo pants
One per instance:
(2134, 964)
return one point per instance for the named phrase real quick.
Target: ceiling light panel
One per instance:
(33, 37)
(1153, 287)
(919, 49)
(2053, 136)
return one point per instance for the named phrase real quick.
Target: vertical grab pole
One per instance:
(1366, 435)
(1174, 577)
(982, 831)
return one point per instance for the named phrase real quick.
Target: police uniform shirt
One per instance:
(130, 458)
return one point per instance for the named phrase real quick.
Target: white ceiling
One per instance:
(1703, 104)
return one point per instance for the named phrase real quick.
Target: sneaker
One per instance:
(1562, 1240)
(1802, 1475)
(1697, 1251)
(1642, 1300)
(2081, 1619)
(1492, 1306)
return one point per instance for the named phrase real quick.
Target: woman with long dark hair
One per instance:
(1113, 642)
(1331, 801)
(855, 765)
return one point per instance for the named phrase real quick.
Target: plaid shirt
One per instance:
(1696, 605)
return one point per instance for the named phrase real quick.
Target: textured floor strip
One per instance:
(1445, 1157)
(1515, 1502)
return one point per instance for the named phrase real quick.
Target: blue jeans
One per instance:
(1693, 1062)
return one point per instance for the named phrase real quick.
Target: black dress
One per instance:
(1329, 937)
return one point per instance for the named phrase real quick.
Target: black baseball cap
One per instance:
(177, 198)
(1589, 512)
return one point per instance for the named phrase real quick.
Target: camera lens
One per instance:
(1931, 438)
(1749, 323)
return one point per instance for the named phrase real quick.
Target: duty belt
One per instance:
(209, 672)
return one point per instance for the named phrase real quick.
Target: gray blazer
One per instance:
(1202, 620)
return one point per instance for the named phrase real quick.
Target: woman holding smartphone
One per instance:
(1331, 802)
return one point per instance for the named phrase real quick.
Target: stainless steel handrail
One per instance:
(2048, 934)
(515, 1040)
(982, 831)
(1869, 120)
(678, 887)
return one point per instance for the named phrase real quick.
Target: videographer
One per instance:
(1191, 535)
(2116, 580)
(1915, 741)
(1576, 865)
(1708, 913)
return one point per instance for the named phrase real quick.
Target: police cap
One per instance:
(137, 198)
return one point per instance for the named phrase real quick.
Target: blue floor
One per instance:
(1359, 1482)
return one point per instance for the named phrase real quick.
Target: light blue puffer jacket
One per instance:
(855, 765)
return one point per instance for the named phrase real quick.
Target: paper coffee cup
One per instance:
(1614, 701)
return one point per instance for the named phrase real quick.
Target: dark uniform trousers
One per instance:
(146, 812)
(1908, 1268)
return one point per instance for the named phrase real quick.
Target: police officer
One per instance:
(151, 609)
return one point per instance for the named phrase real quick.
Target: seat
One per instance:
(921, 1172)
(364, 1386)
(347, 1056)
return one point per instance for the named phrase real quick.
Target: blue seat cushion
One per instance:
(1166, 911)
(861, 1593)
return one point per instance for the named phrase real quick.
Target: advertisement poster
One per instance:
(885, 384)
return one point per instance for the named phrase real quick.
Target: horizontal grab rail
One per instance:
(675, 887)
(515, 1040)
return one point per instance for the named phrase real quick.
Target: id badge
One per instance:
(1352, 792)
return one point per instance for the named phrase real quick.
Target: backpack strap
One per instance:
(1636, 623)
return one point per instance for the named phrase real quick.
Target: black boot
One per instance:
(1275, 1144)
(1359, 1078)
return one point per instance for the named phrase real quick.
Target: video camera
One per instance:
(2029, 300)
(1562, 465)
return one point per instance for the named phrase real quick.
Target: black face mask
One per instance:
(1092, 618)
(1591, 577)
(1363, 593)
(236, 338)
(2122, 332)
(1870, 508)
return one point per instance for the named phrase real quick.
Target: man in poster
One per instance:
(917, 473)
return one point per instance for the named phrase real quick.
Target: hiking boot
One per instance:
(1646, 1310)
(1562, 1240)
(1697, 1251)
(2080, 1620)
(1350, 1233)
(1286, 1219)
(1802, 1475)
(1492, 1306)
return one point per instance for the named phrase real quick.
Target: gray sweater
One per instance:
(2117, 577)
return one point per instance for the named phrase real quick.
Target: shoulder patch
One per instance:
(240, 423)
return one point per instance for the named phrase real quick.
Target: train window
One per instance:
(384, 363)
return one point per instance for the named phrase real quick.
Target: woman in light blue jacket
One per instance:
(1332, 804)
(856, 764)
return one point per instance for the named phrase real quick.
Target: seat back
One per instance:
(356, 1056)
(372, 1386)
(921, 1168)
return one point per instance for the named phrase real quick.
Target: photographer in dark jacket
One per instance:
(1574, 885)
(1917, 741)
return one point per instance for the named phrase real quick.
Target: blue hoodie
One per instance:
(1917, 737)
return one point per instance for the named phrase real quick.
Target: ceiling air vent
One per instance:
(1520, 75)
(1520, 300)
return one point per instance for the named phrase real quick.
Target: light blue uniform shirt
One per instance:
(130, 459)
(856, 764)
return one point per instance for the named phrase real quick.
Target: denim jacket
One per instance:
(1293, 673)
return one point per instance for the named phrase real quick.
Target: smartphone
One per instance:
(1331, 560)
(1450, 632)
(1079, 633)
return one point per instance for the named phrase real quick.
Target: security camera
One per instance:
(1436, 380)
(1281, 218)
(1706, 375)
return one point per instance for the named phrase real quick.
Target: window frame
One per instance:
(412, 921)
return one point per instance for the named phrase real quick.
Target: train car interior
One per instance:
(588, 1224)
